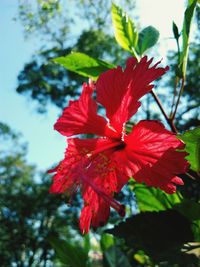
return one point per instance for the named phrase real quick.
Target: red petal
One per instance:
(85, 219)
(80, 117)
(95, 212)
(119, 91)
(97, 202)
(68, 171)
(150, 156)
(87, 165)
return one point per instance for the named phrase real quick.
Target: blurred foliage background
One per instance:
(39, 229)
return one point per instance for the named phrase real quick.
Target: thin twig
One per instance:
(178, 100)
(169, 121)
(174, 96)
(190, 176)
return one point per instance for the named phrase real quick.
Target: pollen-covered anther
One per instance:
(103, 156)
(93, 211)
(84, 150)
(86, 203)
(60, 168)
(123, 131)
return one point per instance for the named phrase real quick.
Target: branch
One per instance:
(174, 96)
(169, 121)
(189, 108)
(178, 100)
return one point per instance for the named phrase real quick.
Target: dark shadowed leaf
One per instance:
(192, 141)
(148, 37)
(189, 208)
(157, 233)
(83, 64)
(125, 31)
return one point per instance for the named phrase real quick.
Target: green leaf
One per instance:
(141, 258)
(148, 37)
(106, 241)
(152, 199)
(84, 64)
(125, 31)
(175, 31)
(86, 243)
(188, 15)
(192, 141)
(196, 230)
(114, 257)
(71, 255)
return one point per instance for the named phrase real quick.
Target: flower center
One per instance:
(116, 145)
(121, 145)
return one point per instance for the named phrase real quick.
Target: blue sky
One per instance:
(45, 145)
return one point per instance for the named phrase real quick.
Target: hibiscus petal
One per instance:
(81, 117)
(85, 219)
(119, 91)
(97, 202)
(68, 170)
(95, 211)
(151, 156)
(87, 166)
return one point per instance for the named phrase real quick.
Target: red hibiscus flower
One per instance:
(100, 167)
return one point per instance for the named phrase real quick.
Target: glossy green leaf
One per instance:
(84, 64)
(188, 15)
(192, 141)
(125, 31)
(70, 255)
(148, 37)
(152, 199)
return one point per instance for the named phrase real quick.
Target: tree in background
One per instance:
(54, 22)
(29, 215)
